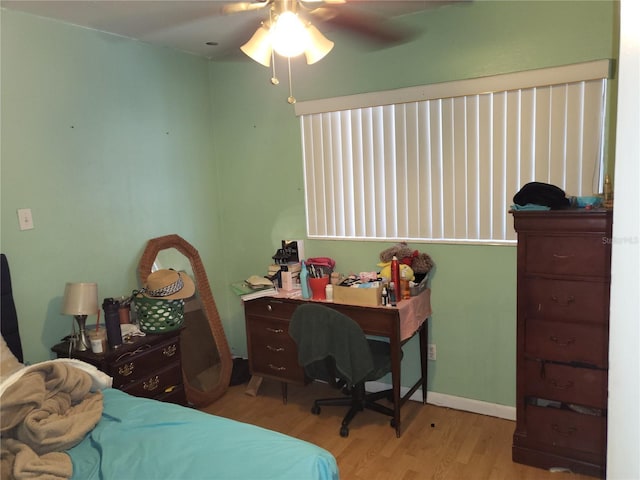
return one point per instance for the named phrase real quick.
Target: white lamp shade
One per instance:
(80, 299)
(258, 47)
(318, 47)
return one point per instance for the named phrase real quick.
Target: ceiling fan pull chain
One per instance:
(291, 98)
(274, 78)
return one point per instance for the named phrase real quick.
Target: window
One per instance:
(442, 162)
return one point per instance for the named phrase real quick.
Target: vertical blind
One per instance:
(445, 169)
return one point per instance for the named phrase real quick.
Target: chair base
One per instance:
(358, 401)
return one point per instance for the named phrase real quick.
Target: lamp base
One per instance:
(82, 341)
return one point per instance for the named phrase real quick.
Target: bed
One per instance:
(61, 419)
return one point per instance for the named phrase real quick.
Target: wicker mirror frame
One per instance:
(194, 395)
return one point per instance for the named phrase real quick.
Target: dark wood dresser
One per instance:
(564, 265)
(148, 366)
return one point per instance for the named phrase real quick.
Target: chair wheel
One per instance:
(315, 410)
(344, 431)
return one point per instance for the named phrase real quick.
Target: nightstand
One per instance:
(148, 366)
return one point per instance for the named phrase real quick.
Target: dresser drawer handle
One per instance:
(560, 386)
(275, 330)
(570, 300)
(561, 257)
(278, 369)
(170, 351)
(275, 349)
(126, 369)
(151, 384)
(269, 308)
(566, 433)
(557, 341)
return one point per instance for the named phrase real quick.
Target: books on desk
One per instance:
(265, 292)
(246, 292)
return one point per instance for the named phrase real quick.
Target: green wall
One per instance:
(112, 142)
(108, 141)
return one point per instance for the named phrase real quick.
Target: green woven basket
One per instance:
(156, 315)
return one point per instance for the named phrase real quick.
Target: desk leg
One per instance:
(424, 368)
(395, 381)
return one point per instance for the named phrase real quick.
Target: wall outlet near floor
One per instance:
(431, 351)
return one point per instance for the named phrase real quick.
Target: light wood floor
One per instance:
(436, 443)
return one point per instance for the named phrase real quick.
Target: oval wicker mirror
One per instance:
(206, 357)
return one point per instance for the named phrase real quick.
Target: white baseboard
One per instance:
(451, 401)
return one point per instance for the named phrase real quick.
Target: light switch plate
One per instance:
(25, 219)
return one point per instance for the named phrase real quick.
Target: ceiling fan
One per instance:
(287, 18)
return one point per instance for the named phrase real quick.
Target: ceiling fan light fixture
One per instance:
(319, 45)
(289, 36)
(258, 47)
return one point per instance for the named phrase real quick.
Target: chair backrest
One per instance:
(9, 318)
(321, 332)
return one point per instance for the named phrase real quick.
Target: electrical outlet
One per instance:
(431, 351)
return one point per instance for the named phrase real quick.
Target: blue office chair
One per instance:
(333, 346)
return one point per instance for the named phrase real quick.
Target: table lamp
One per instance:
(80, 300)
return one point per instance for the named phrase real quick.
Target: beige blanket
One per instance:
(49, 409)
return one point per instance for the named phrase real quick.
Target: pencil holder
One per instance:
(318, 287)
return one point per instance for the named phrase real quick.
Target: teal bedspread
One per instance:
(146, 439)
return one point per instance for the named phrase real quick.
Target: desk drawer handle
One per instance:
(269, 308)
(151, 384)
(570, 300)
(560, 386)
(126, 369)
(170, 351)
(275, 330)
(561, 257)
(557, 341)
(276, 368)
(566, 433)
(275, 349)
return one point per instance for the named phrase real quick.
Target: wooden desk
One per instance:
(273, 354)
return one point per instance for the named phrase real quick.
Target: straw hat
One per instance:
(168, 285)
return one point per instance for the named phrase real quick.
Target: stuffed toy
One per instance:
(401, 251)
(422, 263)
(419, 263)
(406, 272)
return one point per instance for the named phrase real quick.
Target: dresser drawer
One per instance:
(586, 255)
(563, 383)
(575, 343)
(270, 307)
(157, 383)
(558, 428)
(580, 301)
(134, 365)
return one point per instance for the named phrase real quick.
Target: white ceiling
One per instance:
(184, 25)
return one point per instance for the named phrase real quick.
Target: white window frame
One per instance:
(441, 163)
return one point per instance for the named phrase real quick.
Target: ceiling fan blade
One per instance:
(373, 27)
(239, 7)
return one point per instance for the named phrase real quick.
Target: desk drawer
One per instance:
(271, 350)
(269, 307)
(585, 255)
(562, 383)
(567, 342)
(134, 365)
